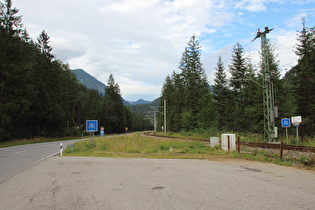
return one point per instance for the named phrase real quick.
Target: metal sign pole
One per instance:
(297, 135)
(90, 140)
(286, 135)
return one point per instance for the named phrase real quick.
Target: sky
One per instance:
(141, 42)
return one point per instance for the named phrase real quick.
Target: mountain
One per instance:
(140, 101)
(143, 109)
(89, 81)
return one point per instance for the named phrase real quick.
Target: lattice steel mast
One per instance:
(268, 93)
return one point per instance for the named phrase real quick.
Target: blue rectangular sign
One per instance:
(286, 123)
(91, 126)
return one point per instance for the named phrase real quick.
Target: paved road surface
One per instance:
(117, 183)
(18, 158)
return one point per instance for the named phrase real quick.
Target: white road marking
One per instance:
(20, 152)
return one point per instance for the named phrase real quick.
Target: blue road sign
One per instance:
(102, 133)
(91, 126)
(286, 123)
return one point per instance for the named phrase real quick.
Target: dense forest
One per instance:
(40, 96)
(236, 103)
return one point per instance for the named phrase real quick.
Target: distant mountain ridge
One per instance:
(89, 81)
(92, 83)
(140, 101)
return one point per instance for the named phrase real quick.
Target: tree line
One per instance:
(235, 103)
(41, 97)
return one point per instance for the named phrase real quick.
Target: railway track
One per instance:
(275, 145)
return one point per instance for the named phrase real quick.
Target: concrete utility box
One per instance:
(224, 142)
(214, 141)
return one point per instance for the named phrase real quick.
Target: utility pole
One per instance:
(154, 121)
(164, 117)
(268, 93)
(164, 113)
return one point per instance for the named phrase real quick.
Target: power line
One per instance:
(277, 27)
(294, 21)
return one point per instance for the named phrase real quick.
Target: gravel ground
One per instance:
(121, 183)
(287, 154)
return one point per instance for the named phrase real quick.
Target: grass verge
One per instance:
(139, 146)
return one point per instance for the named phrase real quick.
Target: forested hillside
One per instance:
(92, 83)
(40, 96)
(236, 103)
(146, 108)
(89, 81)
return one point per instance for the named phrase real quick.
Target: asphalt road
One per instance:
(119, 183)
(18, 158)
(14, 160)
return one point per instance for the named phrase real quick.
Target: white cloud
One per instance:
(285, 42)
(251, 5)
(139, 42)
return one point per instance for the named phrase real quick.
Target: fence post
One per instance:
(228, 143)
(238, 144)
(281, 150)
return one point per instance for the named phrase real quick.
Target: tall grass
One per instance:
(138, 146)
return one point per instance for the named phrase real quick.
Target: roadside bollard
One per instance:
(60, 149)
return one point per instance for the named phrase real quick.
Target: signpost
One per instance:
(286, 124)
(102, 131)
(72, 147)
(296, 122)
(91, 127)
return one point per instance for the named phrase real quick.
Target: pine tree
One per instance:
(168, 95)
(304, 80)
(45, 82)
(253, 106)
(113, 107)
(238, 72)
(15, 74)
(220, 91)
(194, 82)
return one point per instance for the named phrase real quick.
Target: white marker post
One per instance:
(60, 149)
(296, 121)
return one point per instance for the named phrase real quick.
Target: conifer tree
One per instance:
(304, 79)
(15, 74)
(238, 71)
(220, 92)
(253, 96)
(194, 82)
(168, 95)
(113, 109)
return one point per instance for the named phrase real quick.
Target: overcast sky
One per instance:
(140, 42)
